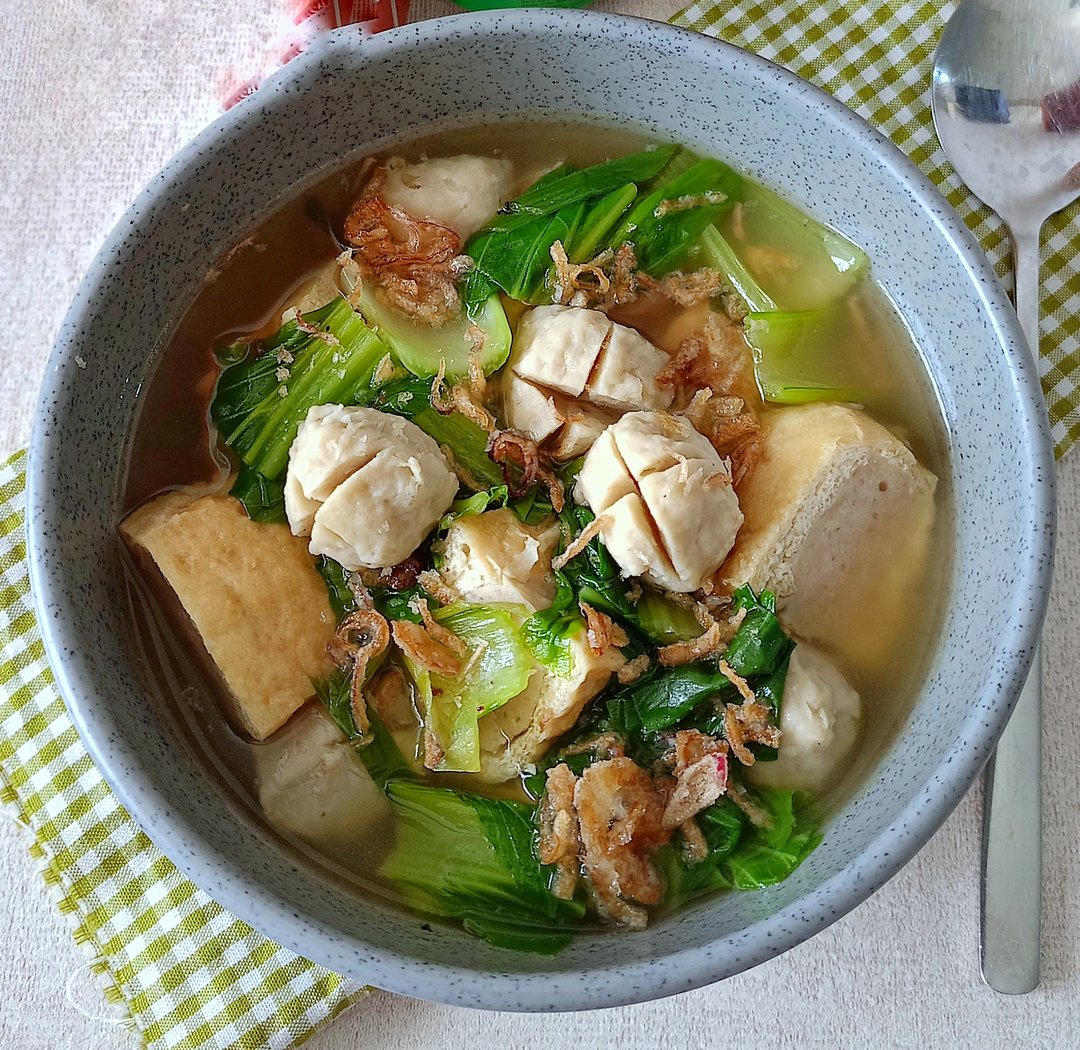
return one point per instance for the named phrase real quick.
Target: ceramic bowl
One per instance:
(350, 96)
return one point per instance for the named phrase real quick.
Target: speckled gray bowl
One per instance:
(338, 103)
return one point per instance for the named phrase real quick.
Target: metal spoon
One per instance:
(1006, 102)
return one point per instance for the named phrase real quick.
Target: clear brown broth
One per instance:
(243, 298)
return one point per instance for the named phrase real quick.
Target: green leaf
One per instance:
(592, 182)
(662, 621)
(794, 355)
(717, 254)
(471, 858)
(663, 242)
(467, 442)
(489, 499)
(452, 707)
(549, 632)
(799, 262)
(336, 576)
(263, 499)
(381, 756)
(421, 348)
(599, 221)
(258, 413)
(765, 856)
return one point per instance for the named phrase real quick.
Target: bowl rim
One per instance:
(688, 968)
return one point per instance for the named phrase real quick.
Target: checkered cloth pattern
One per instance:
(181, 970)
(876, 57)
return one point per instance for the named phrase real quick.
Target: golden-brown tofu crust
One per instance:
(253, 594)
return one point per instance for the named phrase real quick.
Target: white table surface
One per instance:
(94, 98)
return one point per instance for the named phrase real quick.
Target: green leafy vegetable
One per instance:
(765, 856)
(598, 223)
(575, 187)
(471, 858)
(793, 355)
(420, 348)
(260, 402)
(663, 240)
(489, 499)
(452, 707)
(342, 600)
(799, 262)
(263, 499)
(578, 208)
(662, 621)
(717, 254)
(381, 756)
(548, 633)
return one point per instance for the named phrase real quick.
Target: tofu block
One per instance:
(839, 516)
(819, 724)
(669, 511)
(252, 593)
(461, 192)
(516, 736)
(494, 557)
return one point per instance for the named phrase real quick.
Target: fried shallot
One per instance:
(360, 637)
(560, 842)
(420, 647)
(508, 449)
(414, 263)
(610, 279)
(620, 817)
(601, 630)
(579, 543)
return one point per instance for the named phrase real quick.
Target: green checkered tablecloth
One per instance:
(182, 970)
(876, 57)
(185, 973)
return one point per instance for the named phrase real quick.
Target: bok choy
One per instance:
(261, 401)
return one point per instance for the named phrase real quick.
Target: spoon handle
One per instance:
(1012, 815)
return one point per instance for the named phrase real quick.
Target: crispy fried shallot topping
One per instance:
(699, 763)
(601, 630)
(620, 817)
(738, 681)
(697, 200)
(466, 399)
(609, 745)
(508, 448)
(687, 289)
(632, 671)
(678, 653)
(579, 543)
(560, 842)
(420, 647)
(757, 816)
(314, 330)
(414, 263)
(360, 637)
(402, 576)
(695, 845)
(432, 581)
(608, 280)
(443, 635)
(749, 722)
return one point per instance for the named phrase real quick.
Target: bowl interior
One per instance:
(350, 96)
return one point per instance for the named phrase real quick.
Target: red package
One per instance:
(312, 17)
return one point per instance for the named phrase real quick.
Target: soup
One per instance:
(535, 528)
